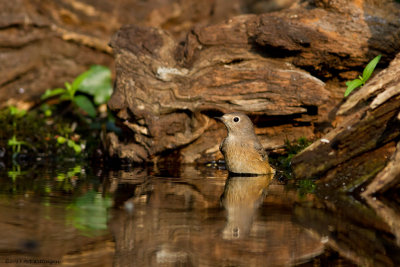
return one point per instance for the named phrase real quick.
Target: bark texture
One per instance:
(284, 69)
(44, 43)
(364, 139)
(388, 178)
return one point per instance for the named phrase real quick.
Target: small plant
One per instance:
(306, 187)
(283, 162)
(16, 145)
(351, 85)
(72, 172)
(67, 124)
(15, 172)
(16, 114)
(95, 82)
(71, 143)
(14, 111)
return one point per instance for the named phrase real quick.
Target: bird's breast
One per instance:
(242, 157)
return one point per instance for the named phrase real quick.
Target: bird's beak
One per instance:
(219, 118)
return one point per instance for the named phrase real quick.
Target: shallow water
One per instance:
(185, 216)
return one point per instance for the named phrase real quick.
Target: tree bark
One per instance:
(388, 178)
(364, 139)
(281, 68)
(45, 43)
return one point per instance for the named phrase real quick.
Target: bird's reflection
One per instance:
(241, 198)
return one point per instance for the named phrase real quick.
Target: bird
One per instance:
(242, 150)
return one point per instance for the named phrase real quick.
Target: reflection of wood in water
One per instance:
(385, 180)
(389, 215)
(352, 229)
(241, 197)
(179, 223)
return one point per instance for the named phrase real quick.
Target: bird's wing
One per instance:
(260, 151)
(221, 146)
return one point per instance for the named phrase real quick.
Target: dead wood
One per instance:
(388, 178)
(45, 43)
(167, 92)
(364, 138)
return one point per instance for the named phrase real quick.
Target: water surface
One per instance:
(72, 215)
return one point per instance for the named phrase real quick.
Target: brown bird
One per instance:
(242, 151)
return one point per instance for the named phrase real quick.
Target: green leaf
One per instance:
(103, 94)
(50, 93)
(70, 143)
(48, 112)
(65, 97)
(61, 177)
(78, 80)
(84, 103)
(17, 112)
(46, 109)
(68, 86)
(61, 140)
(13, 141)
(97, 83)
(370, 68)
(351, 85)
(77, 149)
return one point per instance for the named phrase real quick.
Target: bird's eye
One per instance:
(236, 119)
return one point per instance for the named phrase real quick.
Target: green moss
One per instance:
(282, 161)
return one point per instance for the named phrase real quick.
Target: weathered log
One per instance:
(367, 128)
(332, 37)
(166, 92)
(387, 178)
(167, 106)
(44, 43)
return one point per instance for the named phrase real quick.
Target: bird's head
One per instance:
(238, 124)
